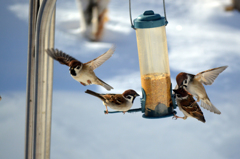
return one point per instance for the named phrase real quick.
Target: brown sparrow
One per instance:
(194, 85)
(120, 102)
(83, 72)
(187, 105)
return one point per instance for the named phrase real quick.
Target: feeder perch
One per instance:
(154, 65)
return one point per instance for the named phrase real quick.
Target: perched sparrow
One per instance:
(0, 98)
(93, 15)
(194, 85)
(82, 72)
(187, 105)
(120, 102)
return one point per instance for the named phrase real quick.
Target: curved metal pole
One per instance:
(42, 82)
(39, 86)
(33, 8)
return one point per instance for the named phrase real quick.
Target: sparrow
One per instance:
(93, 15)
(194, 85)
(187, 105)
(120, 102)
(83, 72)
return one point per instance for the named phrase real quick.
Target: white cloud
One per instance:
(21, 10)
(12, 124)
(124, 81)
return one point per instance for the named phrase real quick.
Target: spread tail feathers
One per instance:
(94, 94)
(205, 103)
(105, 85)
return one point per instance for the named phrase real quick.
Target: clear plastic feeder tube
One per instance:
(154, 68)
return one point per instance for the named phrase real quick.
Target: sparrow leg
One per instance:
(124, 112)
(193, 103)
(175, 116)
(198, 99)
(106, 110)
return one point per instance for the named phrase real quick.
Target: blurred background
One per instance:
(201, 35)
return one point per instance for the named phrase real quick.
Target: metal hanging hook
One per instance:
(165, 15)
(130, 13)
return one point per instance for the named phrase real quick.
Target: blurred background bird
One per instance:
(194, 85)
(120, 102)
(93, 16)
(187, 105)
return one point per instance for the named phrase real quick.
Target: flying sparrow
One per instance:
(187, 105)
(194, 85)
(120, 102)
(83, 72)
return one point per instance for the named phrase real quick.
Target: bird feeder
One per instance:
(154, 64)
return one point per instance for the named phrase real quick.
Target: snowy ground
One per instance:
(200, 34)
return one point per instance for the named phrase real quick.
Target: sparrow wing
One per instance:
(206, 104)
(115, 98)
(101, 59)
(60, 56)
(207, 77)
(198, 115)
(191, 107)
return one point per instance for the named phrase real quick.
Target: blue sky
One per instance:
(200, 34)
(14, 40)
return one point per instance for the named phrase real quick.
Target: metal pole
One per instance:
(39, 80)
(33, 9)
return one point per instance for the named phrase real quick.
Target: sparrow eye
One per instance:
(185, 82)
(129, 96)
(179, 96)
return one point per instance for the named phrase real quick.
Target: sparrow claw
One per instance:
(174, 116)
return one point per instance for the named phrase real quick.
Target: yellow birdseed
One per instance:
(157, 89)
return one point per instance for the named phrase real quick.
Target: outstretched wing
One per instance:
(60, 56)
(101, 59)
(207, 77)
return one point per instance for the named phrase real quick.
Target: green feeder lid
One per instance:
(149, 20)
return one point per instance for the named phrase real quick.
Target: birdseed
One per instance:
(157, 89)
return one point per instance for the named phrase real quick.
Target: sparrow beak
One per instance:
(136, 95)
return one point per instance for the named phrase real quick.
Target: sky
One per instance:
(200, 35)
